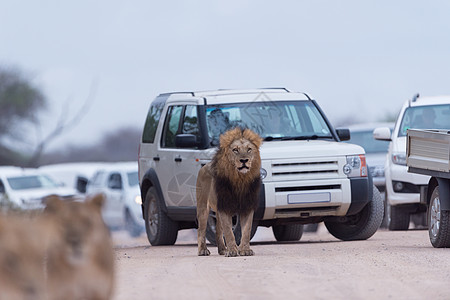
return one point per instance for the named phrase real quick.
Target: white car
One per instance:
(25, 189)
(120, 184)
(403, 188)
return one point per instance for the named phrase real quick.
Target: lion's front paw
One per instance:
(221, 251)
(246, 252)
(231, 253)
(203, 252)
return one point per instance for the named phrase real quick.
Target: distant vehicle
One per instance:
(74, 175)
(25, 189)
(120, 184)
(403, 188)
(376, 150)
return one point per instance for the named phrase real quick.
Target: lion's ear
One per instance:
(97, 200)
(253, 137)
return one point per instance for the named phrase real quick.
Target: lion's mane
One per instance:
(237, 193)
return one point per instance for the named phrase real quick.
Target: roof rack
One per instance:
(175, 93)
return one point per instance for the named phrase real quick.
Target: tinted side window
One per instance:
(115, 181)
(153, 116)
(171, 126)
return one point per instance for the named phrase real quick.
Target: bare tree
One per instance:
(63, 124)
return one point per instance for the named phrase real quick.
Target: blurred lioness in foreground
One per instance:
(22, 251)
(80, 255)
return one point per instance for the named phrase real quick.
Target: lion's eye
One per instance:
(249, 150)
(235, 150)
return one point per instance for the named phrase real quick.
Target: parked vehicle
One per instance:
(376, 150)
(26, 189)
(74, 175)
(428, 153)
(403, 188)
(119, 183)
(309, 176)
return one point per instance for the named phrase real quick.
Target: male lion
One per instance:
(80, 256)
(229, 185)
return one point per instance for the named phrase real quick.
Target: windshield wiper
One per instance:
(296, 138)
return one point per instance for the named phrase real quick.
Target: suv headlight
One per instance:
(138, 199)
(356, 166)
(399, 158)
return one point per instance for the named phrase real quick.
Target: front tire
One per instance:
(399, 218)
(131, 226)
(211, 229)
(439, 222)
(362, 225)
(288, 233)
(161, 230)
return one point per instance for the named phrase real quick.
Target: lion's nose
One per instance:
(243, 160)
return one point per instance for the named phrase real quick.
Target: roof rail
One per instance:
(174, 93)
(275, 88)
(414, 99)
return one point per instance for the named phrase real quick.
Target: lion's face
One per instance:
(238, 157)
(242, 155)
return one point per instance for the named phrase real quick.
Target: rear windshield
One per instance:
(425, 117)
(271, 120)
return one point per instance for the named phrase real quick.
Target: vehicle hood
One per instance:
(313, 148)
(39, 193)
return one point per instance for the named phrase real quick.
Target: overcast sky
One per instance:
(356, 58)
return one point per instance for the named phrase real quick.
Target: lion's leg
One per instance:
(227, 226)
(246, 228)
(219, 236)
(202, 217)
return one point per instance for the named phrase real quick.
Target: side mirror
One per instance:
(186, 141)
(382, 134)
(343, 134)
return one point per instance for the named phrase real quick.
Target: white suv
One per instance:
(309, 176)
(120, 185)
(402, 187)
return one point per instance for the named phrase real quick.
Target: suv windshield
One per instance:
(288, 120)
(425, 117)
(31, 182)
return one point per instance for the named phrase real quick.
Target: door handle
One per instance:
(156, 158)
(178, 159)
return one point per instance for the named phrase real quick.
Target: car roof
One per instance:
(236, 96)
(429, 100)
(17, 171)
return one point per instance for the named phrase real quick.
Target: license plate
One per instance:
(309, 198)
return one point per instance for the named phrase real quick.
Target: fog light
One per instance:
(263, 173)
(398, 186)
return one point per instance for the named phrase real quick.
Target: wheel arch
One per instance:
(149, 180)
(444, 192)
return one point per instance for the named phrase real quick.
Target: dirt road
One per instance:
(390, 265)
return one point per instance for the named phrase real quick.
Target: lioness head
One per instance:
(239, 153)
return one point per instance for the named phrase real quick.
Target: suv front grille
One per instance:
(305, 170)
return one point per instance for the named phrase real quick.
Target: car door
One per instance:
(113, 210)
(178, 167)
